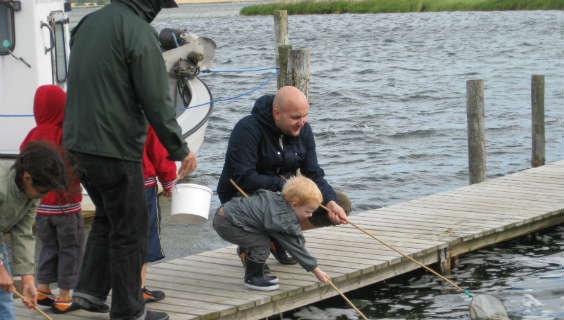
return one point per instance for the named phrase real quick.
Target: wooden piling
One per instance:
(476, 137)
(537, 107)
(298, 70)
(280, 31)
(283, 53)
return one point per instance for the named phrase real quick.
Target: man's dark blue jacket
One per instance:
(258, 152)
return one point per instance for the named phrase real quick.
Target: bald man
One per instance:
(275, 140)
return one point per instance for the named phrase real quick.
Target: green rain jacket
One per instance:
(17, 216)
(117, 80)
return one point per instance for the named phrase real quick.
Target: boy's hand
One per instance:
(167, 193)
(336, 214)
(6, 282)
(321, 276)
(29, 291)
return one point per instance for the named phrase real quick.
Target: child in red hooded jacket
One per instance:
(155, 164)
(59, 224)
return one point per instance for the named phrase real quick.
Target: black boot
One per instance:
(243, 256)
(255, 279)
(280, 253)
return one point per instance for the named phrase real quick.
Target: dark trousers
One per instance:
(154, 246)
(117, 244)
(62, 238)
(256, 244)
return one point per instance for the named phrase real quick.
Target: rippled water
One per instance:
(388, 107)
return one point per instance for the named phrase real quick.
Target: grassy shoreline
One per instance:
(388, 6)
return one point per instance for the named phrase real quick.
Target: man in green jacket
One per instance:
(117, 81)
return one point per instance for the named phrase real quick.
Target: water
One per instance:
(388, 107)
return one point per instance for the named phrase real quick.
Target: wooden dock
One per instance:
(209, 285)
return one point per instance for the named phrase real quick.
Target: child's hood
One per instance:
(49, 105)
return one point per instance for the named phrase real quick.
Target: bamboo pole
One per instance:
(346, 299)
(34, 307)
(476, 137)
(537, 108)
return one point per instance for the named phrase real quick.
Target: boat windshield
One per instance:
(7, 33)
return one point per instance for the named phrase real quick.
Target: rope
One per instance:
(276, 71)
(15, 115)
(242, 70)
(237, 96)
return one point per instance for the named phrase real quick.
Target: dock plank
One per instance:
(209, 285)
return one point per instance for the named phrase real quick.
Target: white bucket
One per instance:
(190, 203)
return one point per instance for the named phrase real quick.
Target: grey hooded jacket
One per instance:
(268, 212)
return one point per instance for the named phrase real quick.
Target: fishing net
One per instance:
(487, 307)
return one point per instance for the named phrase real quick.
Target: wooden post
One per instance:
(476, 137)
(283, 53)
(280, 31)
(298, 70)
(537, 106)
(444, 261)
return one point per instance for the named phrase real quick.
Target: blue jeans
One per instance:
(154, 247)
(6, 300)
(117, 243)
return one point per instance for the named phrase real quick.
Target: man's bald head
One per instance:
(290, 110)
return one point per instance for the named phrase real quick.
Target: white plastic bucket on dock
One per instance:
(190, 203)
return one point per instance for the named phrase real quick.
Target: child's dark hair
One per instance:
(43, 161)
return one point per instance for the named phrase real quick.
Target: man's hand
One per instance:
(336, 214)
(29, 291)
(188, 165)
(321, 276)
(6, 282)
(167, 193)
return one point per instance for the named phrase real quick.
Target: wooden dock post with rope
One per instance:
(208, 285)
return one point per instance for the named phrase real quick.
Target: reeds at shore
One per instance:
(387, 6)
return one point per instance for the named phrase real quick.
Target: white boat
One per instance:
(34, 51)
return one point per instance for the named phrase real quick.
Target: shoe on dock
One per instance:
(45, 297)
(156, 315)
(152, 295)
(82, 303)
(255, 278)
(64, 305)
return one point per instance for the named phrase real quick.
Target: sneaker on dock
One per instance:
(45, 297)
(156, 315)
(82, 303)
(63, 305)
(152, 295)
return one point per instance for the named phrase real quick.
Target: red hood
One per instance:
(49, 111)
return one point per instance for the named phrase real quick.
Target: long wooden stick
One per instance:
(398, 251)
(329, 281)
(35, 307)
(347, 300)
(403, 254)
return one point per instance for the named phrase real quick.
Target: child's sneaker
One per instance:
(261, 284)
(64, 305)
(45, 297)
(152, 295)
(255, 278)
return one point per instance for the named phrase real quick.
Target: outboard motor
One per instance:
(171, 38)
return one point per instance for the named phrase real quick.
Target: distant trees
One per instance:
(86, 2)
